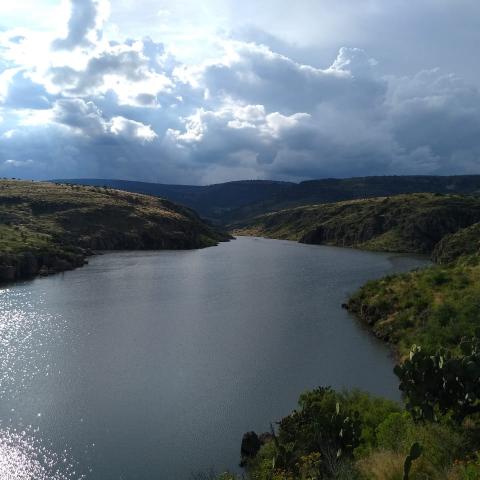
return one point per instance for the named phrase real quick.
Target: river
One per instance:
(151, 365)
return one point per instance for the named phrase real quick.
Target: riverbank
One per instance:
(47, 228)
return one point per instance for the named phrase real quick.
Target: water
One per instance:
(151, 365)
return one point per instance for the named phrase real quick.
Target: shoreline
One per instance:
(58, 263)
(347, 305)
(29, 266)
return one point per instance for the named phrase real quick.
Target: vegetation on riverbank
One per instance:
(355, 436)
(434, 435)
(46, 227)
(433, 307)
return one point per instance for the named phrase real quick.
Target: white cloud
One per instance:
(130, 129)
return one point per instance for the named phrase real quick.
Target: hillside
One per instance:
(340, 189)
(233, 202)
(46, 227)
(435, 307)
(412, 223)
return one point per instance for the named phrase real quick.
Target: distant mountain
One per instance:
(334, 190)
(235, 201)
(214, 202)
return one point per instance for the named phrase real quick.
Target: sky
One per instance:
(204, 92)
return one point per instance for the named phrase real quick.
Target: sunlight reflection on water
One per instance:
(24, 329)
(23, 457)
(24, 333)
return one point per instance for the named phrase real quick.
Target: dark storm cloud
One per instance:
(360, 122)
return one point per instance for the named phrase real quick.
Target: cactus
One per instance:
(415, 452)
(442, 383)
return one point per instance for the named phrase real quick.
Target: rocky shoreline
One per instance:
(27, 265)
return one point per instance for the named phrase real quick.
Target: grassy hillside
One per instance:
(434, 307)
(412, 223)
(45, 227)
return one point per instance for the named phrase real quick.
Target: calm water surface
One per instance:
(152, 365)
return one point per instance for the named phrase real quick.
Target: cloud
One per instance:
(256, 74)
(132, 69)
(22, 92)
(94, 104)
(87, 119)
(130, 129)
(80, 116)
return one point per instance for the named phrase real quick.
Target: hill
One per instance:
(413, 223)
(46, 227)
(340, 189)
(236, 201)
(435, 307)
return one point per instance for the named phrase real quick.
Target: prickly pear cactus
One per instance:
(442, 383)
(415, 452)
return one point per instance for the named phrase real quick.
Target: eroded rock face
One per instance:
(347, 234)
(420, 234)
(28, 265)
(7, 273)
